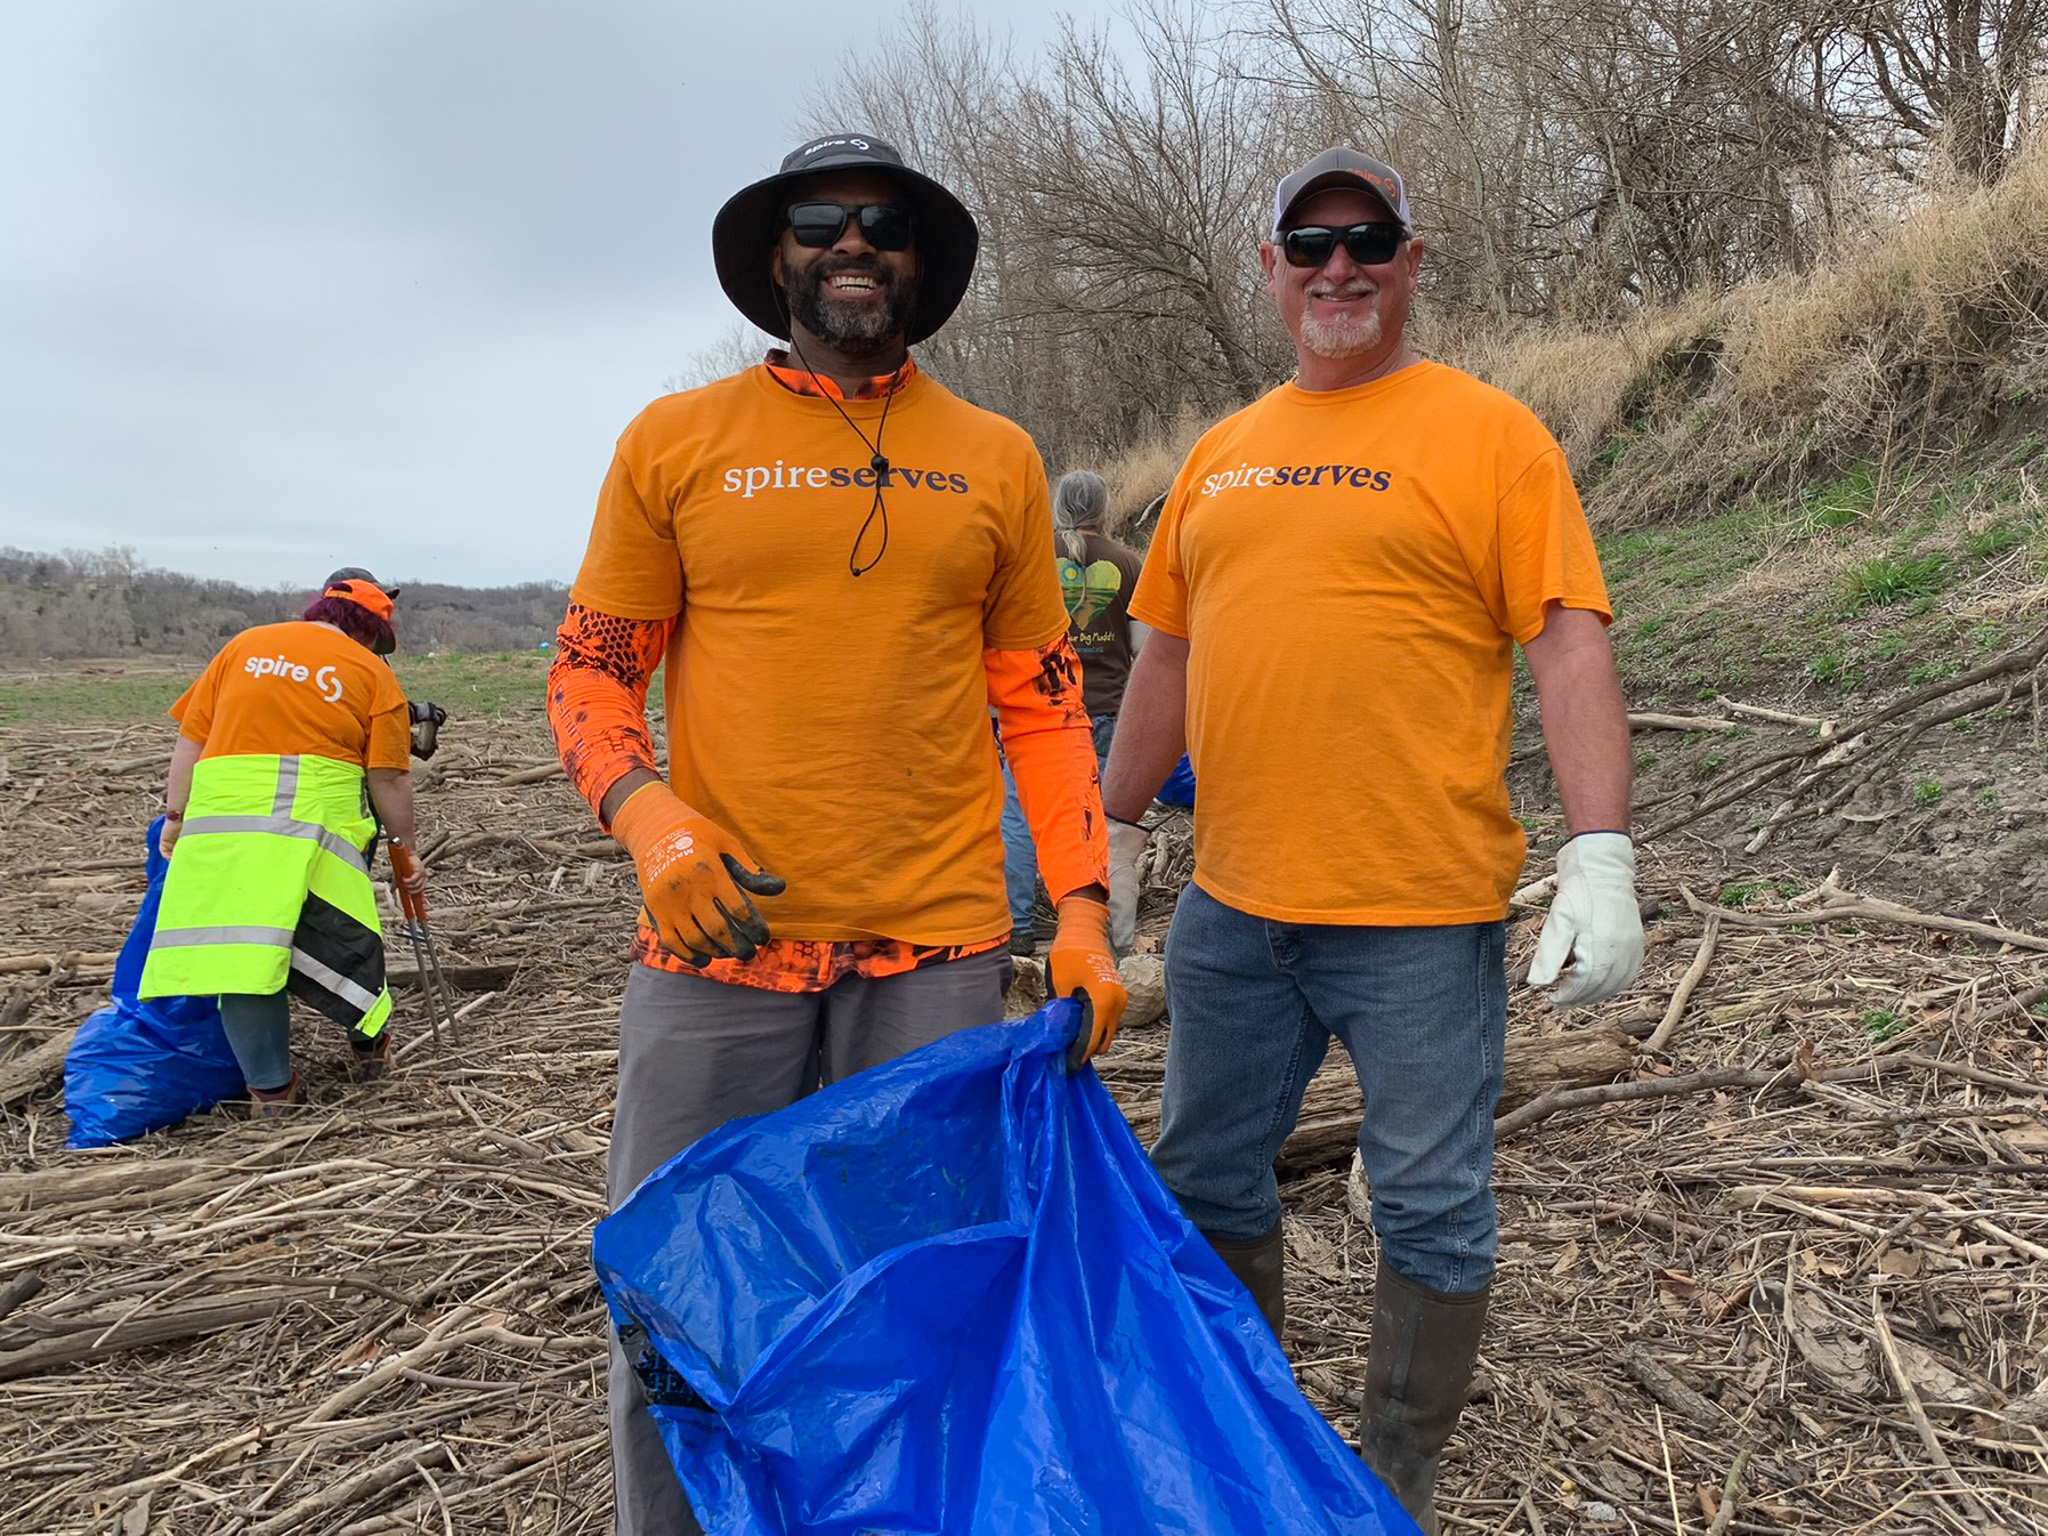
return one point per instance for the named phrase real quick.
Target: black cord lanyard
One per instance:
(876, 461)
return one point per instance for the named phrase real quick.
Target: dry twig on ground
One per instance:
(1847, 1112)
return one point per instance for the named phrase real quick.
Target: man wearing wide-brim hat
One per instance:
(842, 565)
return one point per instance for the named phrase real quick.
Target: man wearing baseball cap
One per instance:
(843, 566)
(1356, 849)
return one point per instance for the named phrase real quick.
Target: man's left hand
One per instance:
(1594, 923)
(1126, 852)
(407, 872)
(1080, 961)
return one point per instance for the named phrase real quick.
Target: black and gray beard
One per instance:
(857, 330)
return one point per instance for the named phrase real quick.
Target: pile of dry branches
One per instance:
(1773, 1223)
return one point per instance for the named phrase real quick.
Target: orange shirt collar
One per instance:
(802, 381)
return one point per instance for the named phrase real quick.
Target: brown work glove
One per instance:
(699, 883)
(1080, 961)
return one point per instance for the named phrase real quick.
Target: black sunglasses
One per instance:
(1367, 244)
(885, 226)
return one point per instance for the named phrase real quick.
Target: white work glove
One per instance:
(1126, 853)
(1594, 922)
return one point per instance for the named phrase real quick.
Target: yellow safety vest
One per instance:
(268, 889)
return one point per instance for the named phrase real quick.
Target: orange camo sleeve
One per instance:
(1046, 737)
(597, 696)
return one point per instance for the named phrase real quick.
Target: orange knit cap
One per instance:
(364, 594)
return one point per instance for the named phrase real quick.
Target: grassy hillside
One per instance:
(107, 603)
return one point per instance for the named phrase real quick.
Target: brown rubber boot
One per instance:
(368, 1060)
(1260, 1264)
(1418, 1374)
(276, 1103)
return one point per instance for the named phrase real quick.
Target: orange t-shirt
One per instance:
(1352, 570)
(836, 724)
(298, 688)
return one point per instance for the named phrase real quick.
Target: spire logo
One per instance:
(327, 679)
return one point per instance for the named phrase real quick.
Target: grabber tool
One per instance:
(413, 906)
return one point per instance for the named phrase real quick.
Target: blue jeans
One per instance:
(259, 1031)
(1423, 1012)
(1020, 855)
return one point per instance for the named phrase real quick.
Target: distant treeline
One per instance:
(108, 603)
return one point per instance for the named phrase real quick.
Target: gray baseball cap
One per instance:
(1343, 168)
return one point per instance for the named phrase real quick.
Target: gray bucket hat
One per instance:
(946, 237)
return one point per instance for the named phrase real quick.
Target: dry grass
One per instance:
(1926, 336)
(1141, 475)
(1831, 1267)
(395, 1283)
(1948, 286)
(1586, 384)
(408, 1337)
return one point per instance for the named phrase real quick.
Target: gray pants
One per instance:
(694, 1054)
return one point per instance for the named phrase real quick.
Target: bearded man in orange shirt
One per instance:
(1341, 574)
(844, 567)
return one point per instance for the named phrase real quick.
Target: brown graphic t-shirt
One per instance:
(1098, 598)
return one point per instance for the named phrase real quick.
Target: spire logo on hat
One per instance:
(805, 153)
(1343, 168)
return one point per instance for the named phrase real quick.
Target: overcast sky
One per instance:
(287, 285)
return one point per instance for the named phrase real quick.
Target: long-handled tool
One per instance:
(434, 986)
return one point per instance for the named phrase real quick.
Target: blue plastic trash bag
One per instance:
(141, 1064)
(949, 1295)
(1179, 788)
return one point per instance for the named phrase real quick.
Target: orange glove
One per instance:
(1080, 961)
(695, 876)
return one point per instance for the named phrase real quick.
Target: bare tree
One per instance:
(740, 347)
(1951, 73)
(1581, 156)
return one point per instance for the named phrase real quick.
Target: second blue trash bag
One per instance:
(948, 1296)
(1179, 788)
(139, 1064)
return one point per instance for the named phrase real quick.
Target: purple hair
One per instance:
(353, 620)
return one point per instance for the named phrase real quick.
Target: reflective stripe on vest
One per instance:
(186, 938)
(361, 997)
(280, 825)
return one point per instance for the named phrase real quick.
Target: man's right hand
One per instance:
(698, 882)
(1080, 964)
(1126, 852)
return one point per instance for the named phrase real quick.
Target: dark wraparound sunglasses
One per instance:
(885, 226)
(1367, 244)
